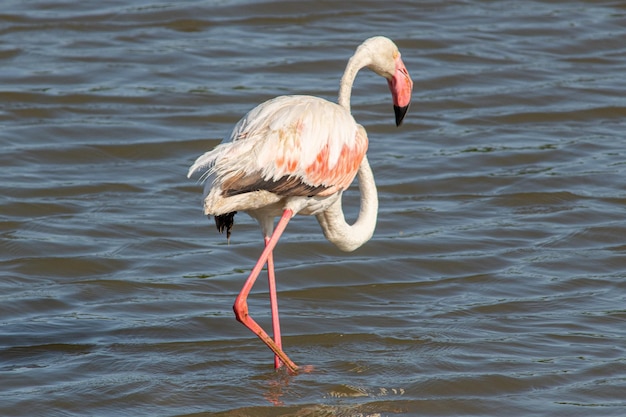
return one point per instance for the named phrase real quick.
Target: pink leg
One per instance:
(241, 303)
(271, 279)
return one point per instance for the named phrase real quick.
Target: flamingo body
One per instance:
(285, 148)
(296, 155)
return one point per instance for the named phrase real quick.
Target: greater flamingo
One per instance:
(296, 155)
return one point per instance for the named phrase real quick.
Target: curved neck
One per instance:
(349, 237)
(359, 60)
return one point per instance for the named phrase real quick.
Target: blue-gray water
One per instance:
(495, 283)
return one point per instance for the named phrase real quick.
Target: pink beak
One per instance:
(401, 87)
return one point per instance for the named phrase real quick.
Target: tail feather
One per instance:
(225, 222)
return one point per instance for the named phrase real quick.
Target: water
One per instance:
(494, 284)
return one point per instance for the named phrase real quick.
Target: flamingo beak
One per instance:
(400, 113)
(401, 87)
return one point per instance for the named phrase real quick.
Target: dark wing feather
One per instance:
(284, 186)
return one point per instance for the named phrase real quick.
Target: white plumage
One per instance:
(301, 137)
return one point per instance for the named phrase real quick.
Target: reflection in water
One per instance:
(277, 385)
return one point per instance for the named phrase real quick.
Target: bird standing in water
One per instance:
(296, 155)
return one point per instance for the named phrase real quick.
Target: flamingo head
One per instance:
(385, 60)
(401, 87)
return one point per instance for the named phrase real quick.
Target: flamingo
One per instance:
(293, 155)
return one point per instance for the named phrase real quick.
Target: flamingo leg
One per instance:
(271, 279)
(241, 302)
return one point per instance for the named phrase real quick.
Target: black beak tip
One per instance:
(400, 113)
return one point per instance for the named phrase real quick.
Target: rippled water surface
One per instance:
(495, 283)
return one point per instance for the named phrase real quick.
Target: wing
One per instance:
(290, 145)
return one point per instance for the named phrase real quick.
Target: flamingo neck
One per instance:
(349, 237)
(359, 60)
